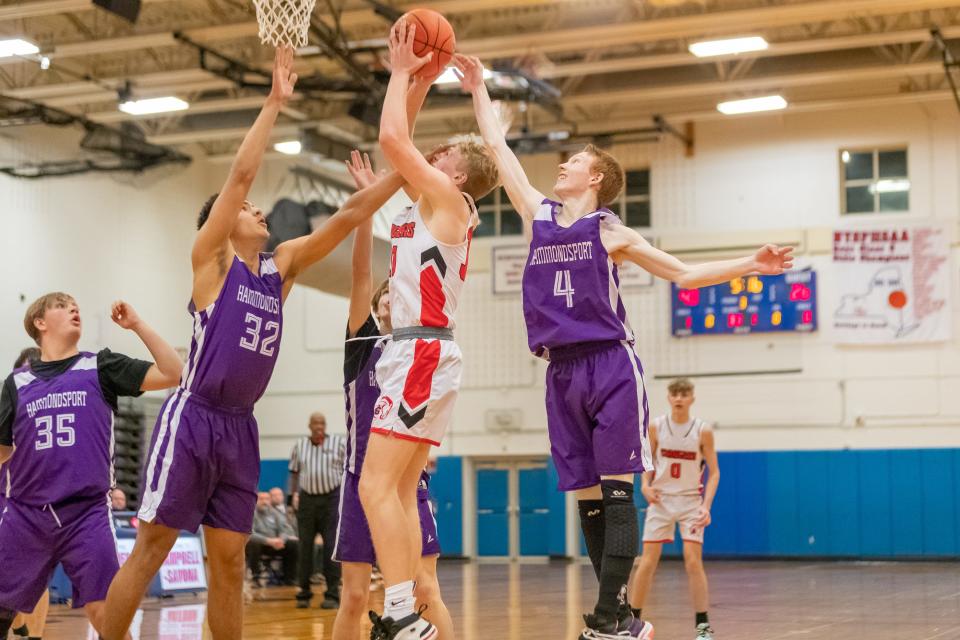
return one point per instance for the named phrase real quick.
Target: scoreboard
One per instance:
(755, 304)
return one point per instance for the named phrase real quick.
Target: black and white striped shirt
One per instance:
(320, 467)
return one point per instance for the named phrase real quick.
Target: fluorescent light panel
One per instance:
(449, 77)
(147, 106)
(17, 47)
(729, 46)
(752, 105)
(289, 147)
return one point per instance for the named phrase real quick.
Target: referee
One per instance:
(316, 471)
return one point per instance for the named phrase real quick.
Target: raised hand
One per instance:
(771, 260)
(124, 314)
(402, 57)
(361, 170)
(470, 71)
(284, 79)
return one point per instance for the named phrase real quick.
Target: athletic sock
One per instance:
(592, 525)
(702, 618)
(620, 543)
(21, 631)
(6, 621)
(398, 601)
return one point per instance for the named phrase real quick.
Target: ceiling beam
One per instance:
(716, 88)
(712, 23)
(40, 8)
(859, 102)
(776, 49)
(205, 106)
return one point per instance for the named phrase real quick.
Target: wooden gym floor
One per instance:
(751, 601)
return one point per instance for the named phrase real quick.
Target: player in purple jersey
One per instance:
(204, 461)
(29, 625)
(365, 342)
(56, 440)
(596, 404)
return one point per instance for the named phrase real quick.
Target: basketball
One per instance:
(435, 34)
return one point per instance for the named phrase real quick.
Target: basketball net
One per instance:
(284, 22)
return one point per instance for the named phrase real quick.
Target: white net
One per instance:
(284, 22)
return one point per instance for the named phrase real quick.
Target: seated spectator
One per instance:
(122, 516)
(272, 537)
(278, 501)
(118, 499)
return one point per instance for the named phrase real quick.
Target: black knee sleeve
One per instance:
(622, 535)
(592, 525)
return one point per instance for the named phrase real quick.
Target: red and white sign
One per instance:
(183, 568)
(893, 284)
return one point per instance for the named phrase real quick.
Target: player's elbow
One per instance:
(686, 280)
(391, 140)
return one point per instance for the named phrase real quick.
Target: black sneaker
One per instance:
(329, 603)
(412, 627)
(628, 629)
(21, 631)
(379, 630)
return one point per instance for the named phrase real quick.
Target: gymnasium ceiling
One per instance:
(616, 63)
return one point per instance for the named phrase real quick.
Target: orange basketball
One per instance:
(435, 34)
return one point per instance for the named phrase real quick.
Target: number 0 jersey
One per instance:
(63, 433)
(236, 339)
(679, 461)
(571, 287)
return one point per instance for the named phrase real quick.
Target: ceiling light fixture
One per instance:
(729, 46)
(289, 147)
(752, 105)
(17, 47)
(149, 106)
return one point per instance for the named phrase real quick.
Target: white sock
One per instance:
(398, 600)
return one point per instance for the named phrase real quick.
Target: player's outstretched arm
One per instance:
(623, 243)
(416, 96)
(709, 449)
(293, 256)
(395, 141)
(361, 283)
(210, 244)
(524, 198)
(168, 366)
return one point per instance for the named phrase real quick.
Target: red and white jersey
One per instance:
(679, 461)
(426, 276)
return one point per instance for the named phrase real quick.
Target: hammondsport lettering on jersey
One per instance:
(237, 338)
(63, 432)
(571, 286)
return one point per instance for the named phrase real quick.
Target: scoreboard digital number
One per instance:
(755, 304)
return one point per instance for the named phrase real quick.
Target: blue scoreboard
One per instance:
(754, 304)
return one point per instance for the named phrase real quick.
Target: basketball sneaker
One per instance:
(628, 628)
(412, 627)
(704, 632)
(379, 630)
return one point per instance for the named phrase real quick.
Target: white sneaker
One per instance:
(412, 627)
(704, 632)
